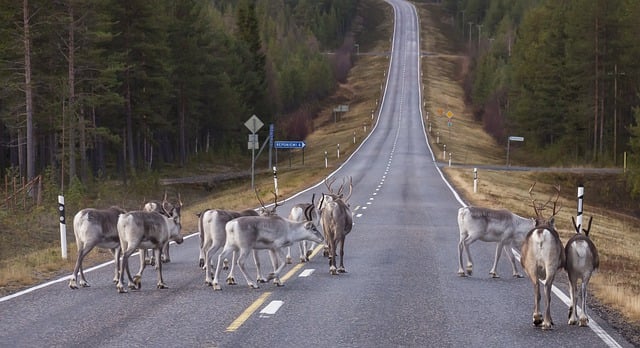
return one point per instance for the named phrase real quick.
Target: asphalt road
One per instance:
(401, 289)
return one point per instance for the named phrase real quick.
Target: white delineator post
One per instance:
(275, 180)
(475, 180)
(580, 205)
(63, 227)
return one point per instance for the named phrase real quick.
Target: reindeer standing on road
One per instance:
(337, 222)
(542, 256)
(582, 261)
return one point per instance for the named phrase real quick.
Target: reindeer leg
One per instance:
(584, 319)
(461, 247)
(496, 258)
(256, 259)
(136, 282)
(289, 259)
(277, 257)
(467, 242)
(512, 259)
(302, 247)
(573, 309)
(547, 323)
(82, 252)
(124, 265)
(242, 256)
(537, 317)
(231, 280)
(341, 269)
(117, 252)
(161, 284)
(211, 250)
(221, 257)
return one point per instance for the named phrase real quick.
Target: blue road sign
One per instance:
(288, 144)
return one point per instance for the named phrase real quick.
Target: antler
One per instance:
(259, 199)
(350, 189)
(577, 227)
(264, 208)
(275, 201)
(538, 208)
(533, 201)
(328, 184)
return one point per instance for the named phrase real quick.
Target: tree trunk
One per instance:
(71, 129)
(31, 160)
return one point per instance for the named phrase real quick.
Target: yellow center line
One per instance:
(242, 318)
(247, 312)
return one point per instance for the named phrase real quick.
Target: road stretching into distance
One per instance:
(401, 289)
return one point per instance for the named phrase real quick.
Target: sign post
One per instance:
(509, 140)
(253, 124)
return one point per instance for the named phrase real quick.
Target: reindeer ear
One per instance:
(308, 225)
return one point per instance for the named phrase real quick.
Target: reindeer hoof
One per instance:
(537, 319)
(518, 275)
(216, 287)
(342, 270)
(253, 286)
(494, 275)
(231, 281)
(289, 260)
(584, 322)
(201, 263)
(162, 286)
(121, 289)
(462, 274)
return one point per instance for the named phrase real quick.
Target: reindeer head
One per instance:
(339, 195)
(264, 211)
(539, 208)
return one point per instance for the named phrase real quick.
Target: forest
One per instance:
(564, 75)
(108, 88)
(93, 89)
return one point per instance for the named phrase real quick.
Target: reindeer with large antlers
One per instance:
(337, 222)
(542, 257)
(582, 261)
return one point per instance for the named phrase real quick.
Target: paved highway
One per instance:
(401, 289)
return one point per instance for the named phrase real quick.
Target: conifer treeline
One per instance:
(100, 86)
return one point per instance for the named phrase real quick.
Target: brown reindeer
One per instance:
(337, 221)
(581, 262)
(542, 257)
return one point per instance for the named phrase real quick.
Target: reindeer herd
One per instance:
(237, 233)
(240, 233)
(542, 252)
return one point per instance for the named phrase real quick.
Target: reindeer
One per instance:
(581, 262)
(337, 222)
(542, 257)
(142, 229)
(162, 208)
(300, 212)
(491, 225)
(95, 228)
(213, 237)
(272, 233)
